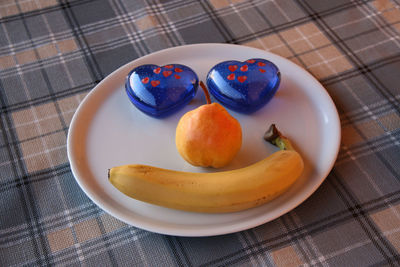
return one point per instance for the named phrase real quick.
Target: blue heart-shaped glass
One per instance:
(244, 86)
(161, 90)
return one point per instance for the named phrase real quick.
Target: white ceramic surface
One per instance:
(107, 130)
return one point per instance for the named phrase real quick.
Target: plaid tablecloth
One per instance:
(52, 53)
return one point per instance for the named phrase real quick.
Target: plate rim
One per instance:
(239, 226)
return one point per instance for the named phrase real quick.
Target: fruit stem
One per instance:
(273, 136)
(205, 92)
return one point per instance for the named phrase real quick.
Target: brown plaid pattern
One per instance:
(53, 52)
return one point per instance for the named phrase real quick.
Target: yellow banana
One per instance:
(226, 191)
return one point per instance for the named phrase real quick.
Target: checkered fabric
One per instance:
(53, 52)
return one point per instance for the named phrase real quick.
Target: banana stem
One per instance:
(273, 136)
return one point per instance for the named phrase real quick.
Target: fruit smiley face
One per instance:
(161, 90)
(244, 86)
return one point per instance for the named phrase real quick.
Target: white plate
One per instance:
(107, 130)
